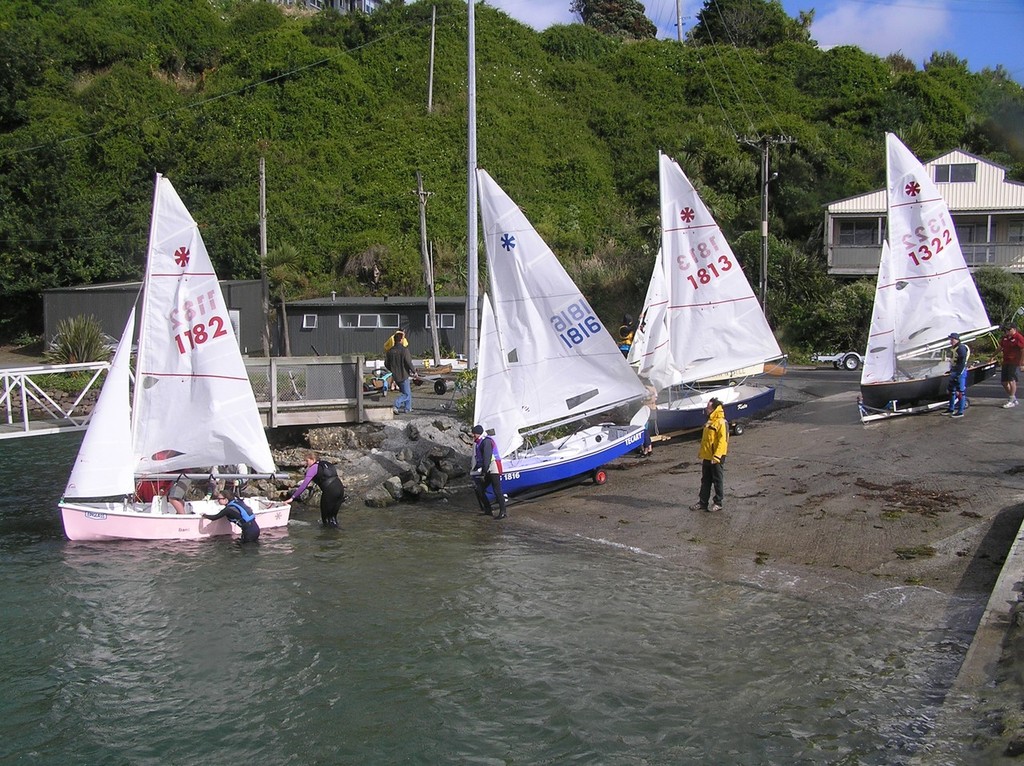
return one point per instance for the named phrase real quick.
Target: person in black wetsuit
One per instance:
(238, 513)
(487, 473)
(332, 491)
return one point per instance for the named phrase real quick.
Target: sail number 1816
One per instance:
(575, 323)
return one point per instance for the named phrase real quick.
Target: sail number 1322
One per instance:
(923, 243)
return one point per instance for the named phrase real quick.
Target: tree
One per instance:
(284, 275)
(757, 24)
(621, 18)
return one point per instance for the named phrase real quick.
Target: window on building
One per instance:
(368, 321)
(309, 321)
(444, 321)
(1015, 233)
(977, 252)
(858, 233)
(966, 172)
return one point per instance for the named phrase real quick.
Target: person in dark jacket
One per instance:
(398, 360)
(332, 491)
(957, 376)
(238, 513)
(487, 473)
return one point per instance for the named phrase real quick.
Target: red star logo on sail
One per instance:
(912, 189)
(181, 256)
(687, 214)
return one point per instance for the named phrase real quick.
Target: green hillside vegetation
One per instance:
(96, 96)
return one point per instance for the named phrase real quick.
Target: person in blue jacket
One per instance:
(238, 513)
(957, 376)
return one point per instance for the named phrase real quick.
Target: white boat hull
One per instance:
(149, 521)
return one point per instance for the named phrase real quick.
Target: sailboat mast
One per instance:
(472, 277)
(140, 361)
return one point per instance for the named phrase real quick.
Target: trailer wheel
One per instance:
(440, 387)
(736, 429)
(600, 477)
(851, 362)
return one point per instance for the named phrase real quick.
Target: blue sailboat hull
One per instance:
(572, 457)
(739, 402)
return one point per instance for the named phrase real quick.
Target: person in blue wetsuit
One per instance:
(957, 376)
(238, 513)
(332, 491)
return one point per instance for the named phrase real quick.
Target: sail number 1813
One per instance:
(705, 274)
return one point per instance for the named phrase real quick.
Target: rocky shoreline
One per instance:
(412, 459)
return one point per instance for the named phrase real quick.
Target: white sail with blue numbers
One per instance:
(547, 355)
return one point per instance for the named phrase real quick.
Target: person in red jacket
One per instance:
(1011, 344)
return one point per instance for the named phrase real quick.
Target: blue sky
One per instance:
(985, 32)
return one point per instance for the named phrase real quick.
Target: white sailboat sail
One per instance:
(714, 319)
(880, 358)
(562, 363)
(651, 352)
(928, 291)
(104, 466)
(194, 404)
(499, 411)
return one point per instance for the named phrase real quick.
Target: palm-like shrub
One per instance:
(78, 339)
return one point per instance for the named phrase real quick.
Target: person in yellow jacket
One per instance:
(714, 445)
(391, 341)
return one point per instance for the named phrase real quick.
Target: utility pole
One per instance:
(428, 267)
(679, 21)
(430, 78)
(264, 289)
(764, 144)
(472, 266)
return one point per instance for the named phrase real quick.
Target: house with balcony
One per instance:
(341, 6)
(987, 211)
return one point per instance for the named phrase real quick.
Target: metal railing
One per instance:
(289, 391)
(308, 390)
(857, 260)
(29, 397)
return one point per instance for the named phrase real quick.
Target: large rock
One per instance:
(377, 459)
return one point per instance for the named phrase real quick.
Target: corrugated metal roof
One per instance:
(990, 192)
(396, 301)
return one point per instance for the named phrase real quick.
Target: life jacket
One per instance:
(326, 474)
(495, 465)
(247, 516)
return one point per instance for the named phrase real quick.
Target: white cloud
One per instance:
(539, 14)
(885, 29)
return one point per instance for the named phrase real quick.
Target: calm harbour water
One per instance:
(428, 635)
